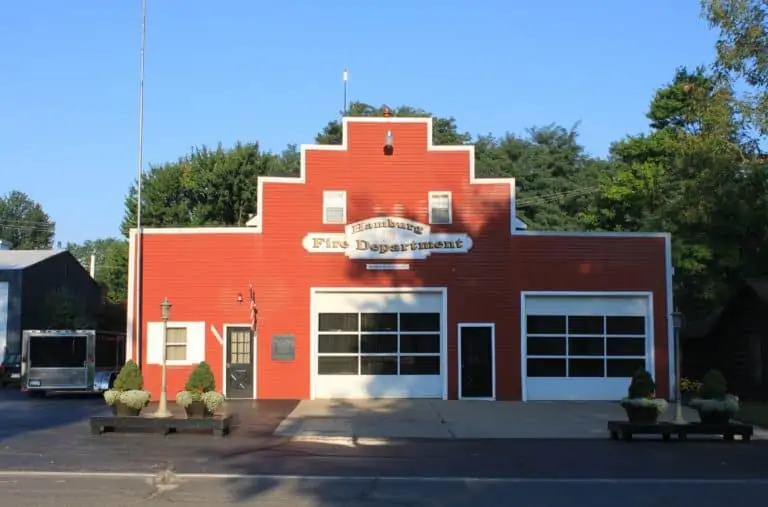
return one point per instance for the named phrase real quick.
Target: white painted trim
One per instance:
(435, 193)
(326, 197)
(587, 293)
(255, 224)
(492, 325)
(587, 234)
(199, 230)
(224, 355)
(649, 326)
(216, 335)
(313, 291)
(671, 352)
(130, 306)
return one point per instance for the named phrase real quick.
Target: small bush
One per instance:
(201, 380)
(690, 386)
(184, 398)
(111, 396)
(135, 398)
(728, 404)
(642, 385)
(129, 378)
(212, 400)
(659, 404)
(713, 386)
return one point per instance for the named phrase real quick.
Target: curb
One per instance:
(347, 441)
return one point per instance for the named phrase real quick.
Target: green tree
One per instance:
(555, 177)
(742, 54)
(24, 223)
(207, 187)
(689, 176)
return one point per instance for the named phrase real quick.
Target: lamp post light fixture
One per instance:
(162, 406)
(389, 143)
(677, 323)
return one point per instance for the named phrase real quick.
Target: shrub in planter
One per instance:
(714, 404)
(689, 389)
(199, 397)
(641, 403)
(127, 396)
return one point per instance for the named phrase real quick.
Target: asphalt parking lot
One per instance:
(251, 467)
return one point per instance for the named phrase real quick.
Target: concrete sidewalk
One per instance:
(399, 419)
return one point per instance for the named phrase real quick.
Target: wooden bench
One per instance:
(218, 425)
(625, 430)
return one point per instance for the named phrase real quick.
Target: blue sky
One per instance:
(227, 70)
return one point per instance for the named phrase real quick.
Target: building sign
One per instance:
(387, 238)
(283, 347)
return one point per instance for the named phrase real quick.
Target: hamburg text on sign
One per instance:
(387, 238)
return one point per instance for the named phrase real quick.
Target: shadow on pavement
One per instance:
(519, 459)
(20, 414)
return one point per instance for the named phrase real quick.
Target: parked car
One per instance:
(10, 370)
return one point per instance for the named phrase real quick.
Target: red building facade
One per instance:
(387, 269)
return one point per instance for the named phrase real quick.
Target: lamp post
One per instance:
(162, 407)
(677, 324)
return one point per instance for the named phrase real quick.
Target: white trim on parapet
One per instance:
(255, 224)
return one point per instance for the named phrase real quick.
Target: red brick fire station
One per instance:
(388, 269)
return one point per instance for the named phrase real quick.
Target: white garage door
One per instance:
(584, 348)
(378, 345)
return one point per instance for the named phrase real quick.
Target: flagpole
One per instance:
(139, 181)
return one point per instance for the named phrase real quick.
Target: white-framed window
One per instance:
(334, 207)
(176, 344)
(184, 343)
(594, 346)
(378, 344)
(440, 207)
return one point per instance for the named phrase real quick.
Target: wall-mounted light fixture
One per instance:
(389, 143)
(240, 299)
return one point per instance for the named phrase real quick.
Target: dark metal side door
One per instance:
(239, 355)
(476, 362)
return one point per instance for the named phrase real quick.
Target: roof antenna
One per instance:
(346, 78)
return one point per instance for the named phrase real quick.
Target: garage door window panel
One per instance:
(424, 322)
(420, 343)
(585, 346)
(378, 322)
(622, 368)
(338, 322)
(338, 344)
(378, 344)
(338, 365)
(419, 365)
(540, 367)
(378, 365)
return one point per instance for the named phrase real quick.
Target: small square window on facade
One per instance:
(440, 208)
(334, 207)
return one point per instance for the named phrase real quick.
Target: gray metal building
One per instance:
(44, 289)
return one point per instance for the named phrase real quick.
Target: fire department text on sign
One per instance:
(387, 238)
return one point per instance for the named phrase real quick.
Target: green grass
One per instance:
(752, 412)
